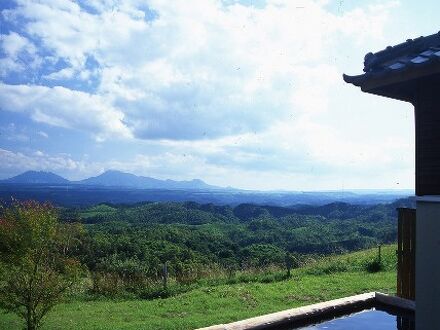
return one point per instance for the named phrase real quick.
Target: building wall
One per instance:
(428, 263)
(427, 124)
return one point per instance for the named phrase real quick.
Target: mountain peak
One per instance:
(112, 178)
(115, 173)
(111, 171)
(37, 177)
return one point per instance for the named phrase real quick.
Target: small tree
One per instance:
(35, 269)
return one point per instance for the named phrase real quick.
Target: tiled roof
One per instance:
(408, 56)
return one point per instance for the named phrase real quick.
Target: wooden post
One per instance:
(380, 254)
(288, 262)
(165, 276)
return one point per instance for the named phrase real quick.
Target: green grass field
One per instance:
(330, 278)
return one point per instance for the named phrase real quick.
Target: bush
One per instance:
(155, 292)
(374, 266)
(108, 285)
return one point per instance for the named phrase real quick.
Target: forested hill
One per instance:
(193, 237)
(196, 214)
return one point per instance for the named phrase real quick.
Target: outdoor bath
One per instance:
(370, 311)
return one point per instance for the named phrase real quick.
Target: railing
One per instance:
(406, 253)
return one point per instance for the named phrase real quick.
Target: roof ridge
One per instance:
(373, 60)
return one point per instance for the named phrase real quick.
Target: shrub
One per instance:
(374, 266)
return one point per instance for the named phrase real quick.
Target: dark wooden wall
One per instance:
(427, 124)
(406, 254)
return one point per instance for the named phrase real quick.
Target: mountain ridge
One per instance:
(110, 178)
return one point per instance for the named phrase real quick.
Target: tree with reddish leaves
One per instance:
(35, 266)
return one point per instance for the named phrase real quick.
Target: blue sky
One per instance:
(247, 94)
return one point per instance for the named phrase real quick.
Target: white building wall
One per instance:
(428, 263)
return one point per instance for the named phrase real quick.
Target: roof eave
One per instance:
(381, 83)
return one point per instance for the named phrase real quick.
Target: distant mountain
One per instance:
(31, 177)
(120, 179)
(123, 187)
(111, 178)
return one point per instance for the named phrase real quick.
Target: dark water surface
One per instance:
(371, 319)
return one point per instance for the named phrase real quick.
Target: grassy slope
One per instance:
(332, 278)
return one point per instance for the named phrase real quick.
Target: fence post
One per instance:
(165, 276)
(380, 254)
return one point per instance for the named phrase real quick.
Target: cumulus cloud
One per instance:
(19, 161)
(13, 44)
(190, 72)
(63, 107)
(20, 54)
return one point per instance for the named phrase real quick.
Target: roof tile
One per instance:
(419, 59)
(409, 55)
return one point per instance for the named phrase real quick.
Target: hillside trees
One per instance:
(36, 263)
(125, 247)
(193, 237)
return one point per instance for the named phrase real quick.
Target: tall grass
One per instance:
(120, 286)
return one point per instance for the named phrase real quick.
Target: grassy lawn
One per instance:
(332, 278)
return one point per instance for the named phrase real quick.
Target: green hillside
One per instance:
(125, 247)
(219, 300)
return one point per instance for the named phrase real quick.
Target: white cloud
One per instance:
(11, 132)
(21, 54)
(62, 74)
(13, 44)
(206, 70)
(43, 134)
(18, 161)
(63, 107)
